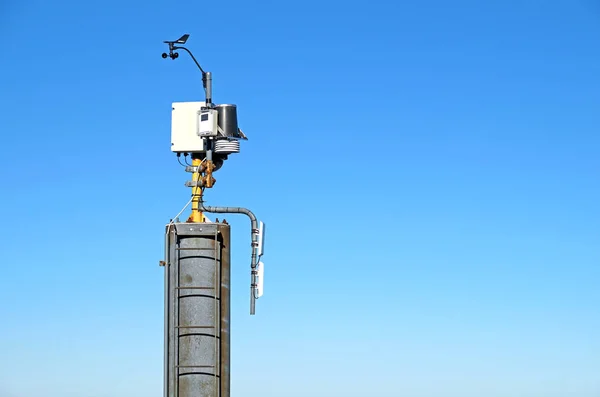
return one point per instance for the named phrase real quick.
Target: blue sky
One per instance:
(428, 172)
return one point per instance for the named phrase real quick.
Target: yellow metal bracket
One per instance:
(200, 182)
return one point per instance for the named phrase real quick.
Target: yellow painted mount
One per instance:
(202, 166)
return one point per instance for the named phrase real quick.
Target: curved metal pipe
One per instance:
(254, 234)
(175, 48)
(206, 76)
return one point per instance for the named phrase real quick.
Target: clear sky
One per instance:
(428, 171)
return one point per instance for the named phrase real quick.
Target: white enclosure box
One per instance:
(207, 124)
(185, 119)
(261, 239)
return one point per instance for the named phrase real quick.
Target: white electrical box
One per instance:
(207, 122)
(185, 126)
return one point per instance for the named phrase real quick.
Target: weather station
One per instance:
(197, 251)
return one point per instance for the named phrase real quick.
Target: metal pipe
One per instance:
(225, 306)
(209, 149)
(174, 315)
(254, 234)
(208, 81)
(166, 347)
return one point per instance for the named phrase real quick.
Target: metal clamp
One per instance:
(196, 168)
(199, 183)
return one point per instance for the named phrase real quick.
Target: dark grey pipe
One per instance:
(254, 260)
(166, 347)
(225, 306)
(208, 81)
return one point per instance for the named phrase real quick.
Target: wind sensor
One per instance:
(173, 55)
